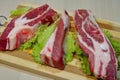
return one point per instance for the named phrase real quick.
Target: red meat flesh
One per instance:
(96, 46)
(52, 53)
(22, 28)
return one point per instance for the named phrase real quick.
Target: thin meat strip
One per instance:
(52, 53)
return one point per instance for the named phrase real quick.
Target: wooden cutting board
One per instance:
(23, 60)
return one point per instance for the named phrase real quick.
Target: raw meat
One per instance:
(53, 54)
(22, 28)
(96, 46)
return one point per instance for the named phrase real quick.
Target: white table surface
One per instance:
(11, 73)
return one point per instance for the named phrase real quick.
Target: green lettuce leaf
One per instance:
(78, 50)
(83, 60)
(36, 53)
(79, 54)
(85, 65)
(30, 43)
(19, 11)
(41, 40)
(69, 47)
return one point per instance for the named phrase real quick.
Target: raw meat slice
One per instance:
(96, 46)
(22, 28)
(53, 54)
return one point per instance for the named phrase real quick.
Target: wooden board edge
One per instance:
(39, 69)
(110, 25)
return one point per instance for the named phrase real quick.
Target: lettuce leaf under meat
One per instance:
(41, 41)
(69, 47)
(19, 11)
(84, 64)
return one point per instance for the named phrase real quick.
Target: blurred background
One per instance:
(104, 9)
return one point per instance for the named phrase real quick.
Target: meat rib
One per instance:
(22, 28)
(96, 46)
(52, 54)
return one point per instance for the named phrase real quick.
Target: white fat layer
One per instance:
(99, 55)
(19, 25)
(47, 50)
(65, 19)
(7, 46)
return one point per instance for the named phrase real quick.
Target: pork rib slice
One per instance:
(22, 28)
(52, 53)
(96, 46)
